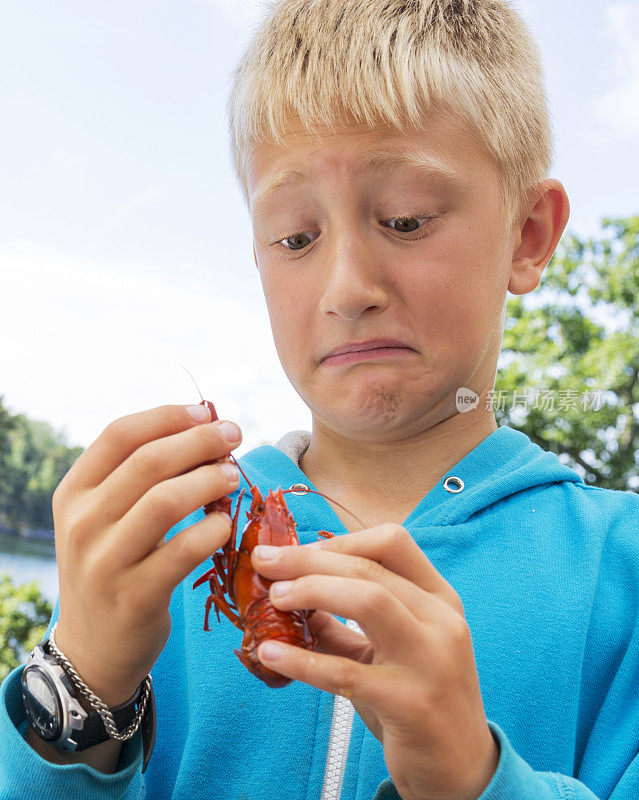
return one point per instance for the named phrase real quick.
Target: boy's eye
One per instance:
(407, 223)
(297, 240)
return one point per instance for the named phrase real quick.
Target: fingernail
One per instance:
(199, 413)
(230, 431)
(230, 470)
(280, 588)
(271, 651)
(266, 553)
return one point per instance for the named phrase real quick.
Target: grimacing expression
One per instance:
(359, 243)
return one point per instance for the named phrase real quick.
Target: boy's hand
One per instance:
(142, 475)
(412, 677)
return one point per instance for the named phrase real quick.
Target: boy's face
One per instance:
(362, 260)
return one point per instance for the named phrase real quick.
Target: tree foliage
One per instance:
(24, 616)
(33, 460)
(572, 348)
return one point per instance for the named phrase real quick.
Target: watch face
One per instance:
(41, 702)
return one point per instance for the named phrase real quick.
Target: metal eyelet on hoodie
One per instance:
(453, 489)
(299, 488)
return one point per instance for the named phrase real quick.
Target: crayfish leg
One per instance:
(223, 606)
(209, 603)
(218, 560)
(217, 597)
(326, 534)
(220, 605)
(205, 577)
(230, 545)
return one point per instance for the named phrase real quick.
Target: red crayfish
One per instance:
(248, 606)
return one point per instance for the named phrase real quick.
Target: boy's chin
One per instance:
(378, 413)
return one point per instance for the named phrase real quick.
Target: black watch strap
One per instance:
(93, 731)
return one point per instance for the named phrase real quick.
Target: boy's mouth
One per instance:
(359, 351)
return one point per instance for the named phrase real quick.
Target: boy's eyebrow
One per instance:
(380, 161)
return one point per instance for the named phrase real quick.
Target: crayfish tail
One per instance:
(271, 678)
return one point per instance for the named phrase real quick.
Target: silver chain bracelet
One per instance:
(96, 703)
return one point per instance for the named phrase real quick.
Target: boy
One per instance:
(351, 122)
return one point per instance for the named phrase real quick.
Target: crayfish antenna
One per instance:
(214, 417)
(235, 461)
(326, 497)
(193, 379)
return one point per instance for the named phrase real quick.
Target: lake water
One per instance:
(29, 560)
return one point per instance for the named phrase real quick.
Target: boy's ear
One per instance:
(539, 236)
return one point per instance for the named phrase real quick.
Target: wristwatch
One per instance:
(55, 711)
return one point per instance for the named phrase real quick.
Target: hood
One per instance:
(504, 463)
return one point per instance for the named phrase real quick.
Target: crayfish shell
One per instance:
(263, 622)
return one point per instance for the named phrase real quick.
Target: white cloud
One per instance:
(83, 343)
(619, 107)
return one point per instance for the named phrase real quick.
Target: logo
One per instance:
(466, 399)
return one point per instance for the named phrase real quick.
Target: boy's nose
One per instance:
(353, 284)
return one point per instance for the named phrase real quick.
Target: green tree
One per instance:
(24, 616)
(575, 341)
(33, 460)
(6, 425)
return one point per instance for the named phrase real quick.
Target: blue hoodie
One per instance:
(547, 569)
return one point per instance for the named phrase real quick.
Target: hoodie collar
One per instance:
(503, 463)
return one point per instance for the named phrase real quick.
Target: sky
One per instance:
(125, 245)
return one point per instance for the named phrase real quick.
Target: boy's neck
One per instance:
(385, 482)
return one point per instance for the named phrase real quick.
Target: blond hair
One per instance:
(388, 62)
